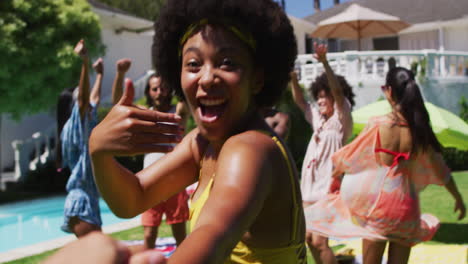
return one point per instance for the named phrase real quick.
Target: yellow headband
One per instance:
(246, 37)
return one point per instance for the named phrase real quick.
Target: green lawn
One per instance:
(434, 200)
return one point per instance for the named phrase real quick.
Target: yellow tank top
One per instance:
(295, 253)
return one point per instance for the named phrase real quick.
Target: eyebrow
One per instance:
(225, 49)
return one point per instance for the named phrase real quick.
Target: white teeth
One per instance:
(212, 102)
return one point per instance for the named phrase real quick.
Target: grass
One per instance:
(437, 201)
(434, 200)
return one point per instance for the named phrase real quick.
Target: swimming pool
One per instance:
(33, 221)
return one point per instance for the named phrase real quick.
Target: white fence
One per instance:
(359, 65)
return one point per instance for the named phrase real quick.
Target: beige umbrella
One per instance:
(356, 22)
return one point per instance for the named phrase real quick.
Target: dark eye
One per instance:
(228, 64)
(192, 65)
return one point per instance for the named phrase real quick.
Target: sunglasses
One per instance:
(384, 88)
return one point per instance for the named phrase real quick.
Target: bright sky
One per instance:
(303, 8)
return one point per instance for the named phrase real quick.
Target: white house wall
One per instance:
(301, 29)
(419, 40)
(136, 47)
(456, 38)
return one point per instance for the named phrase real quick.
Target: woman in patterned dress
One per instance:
(385, 168)
(332, 124)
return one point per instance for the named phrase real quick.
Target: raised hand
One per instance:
(123, 65)
(98, 66)
(129, 130)
(320, 52)
(293, 75)
(80, 49)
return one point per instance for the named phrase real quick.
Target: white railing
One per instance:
(40, 144)
(359, 65)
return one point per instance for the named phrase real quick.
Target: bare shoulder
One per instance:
(251, 140)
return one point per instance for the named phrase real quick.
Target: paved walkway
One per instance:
(56, 243)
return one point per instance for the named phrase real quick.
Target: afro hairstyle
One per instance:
(275, 51)
(321, 83)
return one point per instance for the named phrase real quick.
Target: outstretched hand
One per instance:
(320, 52)
(98, 66)
(129, 130)
(148, 257)
(99, 248)
(123, 65)
(460, 206)
(80, 49)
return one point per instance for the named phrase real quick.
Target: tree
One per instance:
(148, 9)
(36, 51)
(316, 5)
(36, 46)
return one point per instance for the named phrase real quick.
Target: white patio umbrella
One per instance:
(356, 22)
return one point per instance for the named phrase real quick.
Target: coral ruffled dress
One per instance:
(376, 201)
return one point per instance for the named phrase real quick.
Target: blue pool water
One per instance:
(33, 221)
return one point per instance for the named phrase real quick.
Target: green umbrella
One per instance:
(451, 131)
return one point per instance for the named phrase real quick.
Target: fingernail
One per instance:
(177, 117)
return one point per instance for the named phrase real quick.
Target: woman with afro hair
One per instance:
(217, 56)
(332, 125)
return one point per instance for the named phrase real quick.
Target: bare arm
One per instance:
(243, 181)
(335, 87)
(459, 204)
(128, 130)
(297, 94)
(97, 247)
(96, 92)
(117, 86)
(83, 90)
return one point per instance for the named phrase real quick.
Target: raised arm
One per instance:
(335, 87)
(122, 66)
(243, 181)
(83, 90)
(128, 130)
(95, 97)
(297, 93)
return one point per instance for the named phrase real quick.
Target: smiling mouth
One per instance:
(211, 109)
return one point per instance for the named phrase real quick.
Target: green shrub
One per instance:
(456, 159)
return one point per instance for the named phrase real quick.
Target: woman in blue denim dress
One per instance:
(81, 210)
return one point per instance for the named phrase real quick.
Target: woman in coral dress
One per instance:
(385, 168)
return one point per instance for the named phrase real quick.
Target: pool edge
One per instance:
(38, 248)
